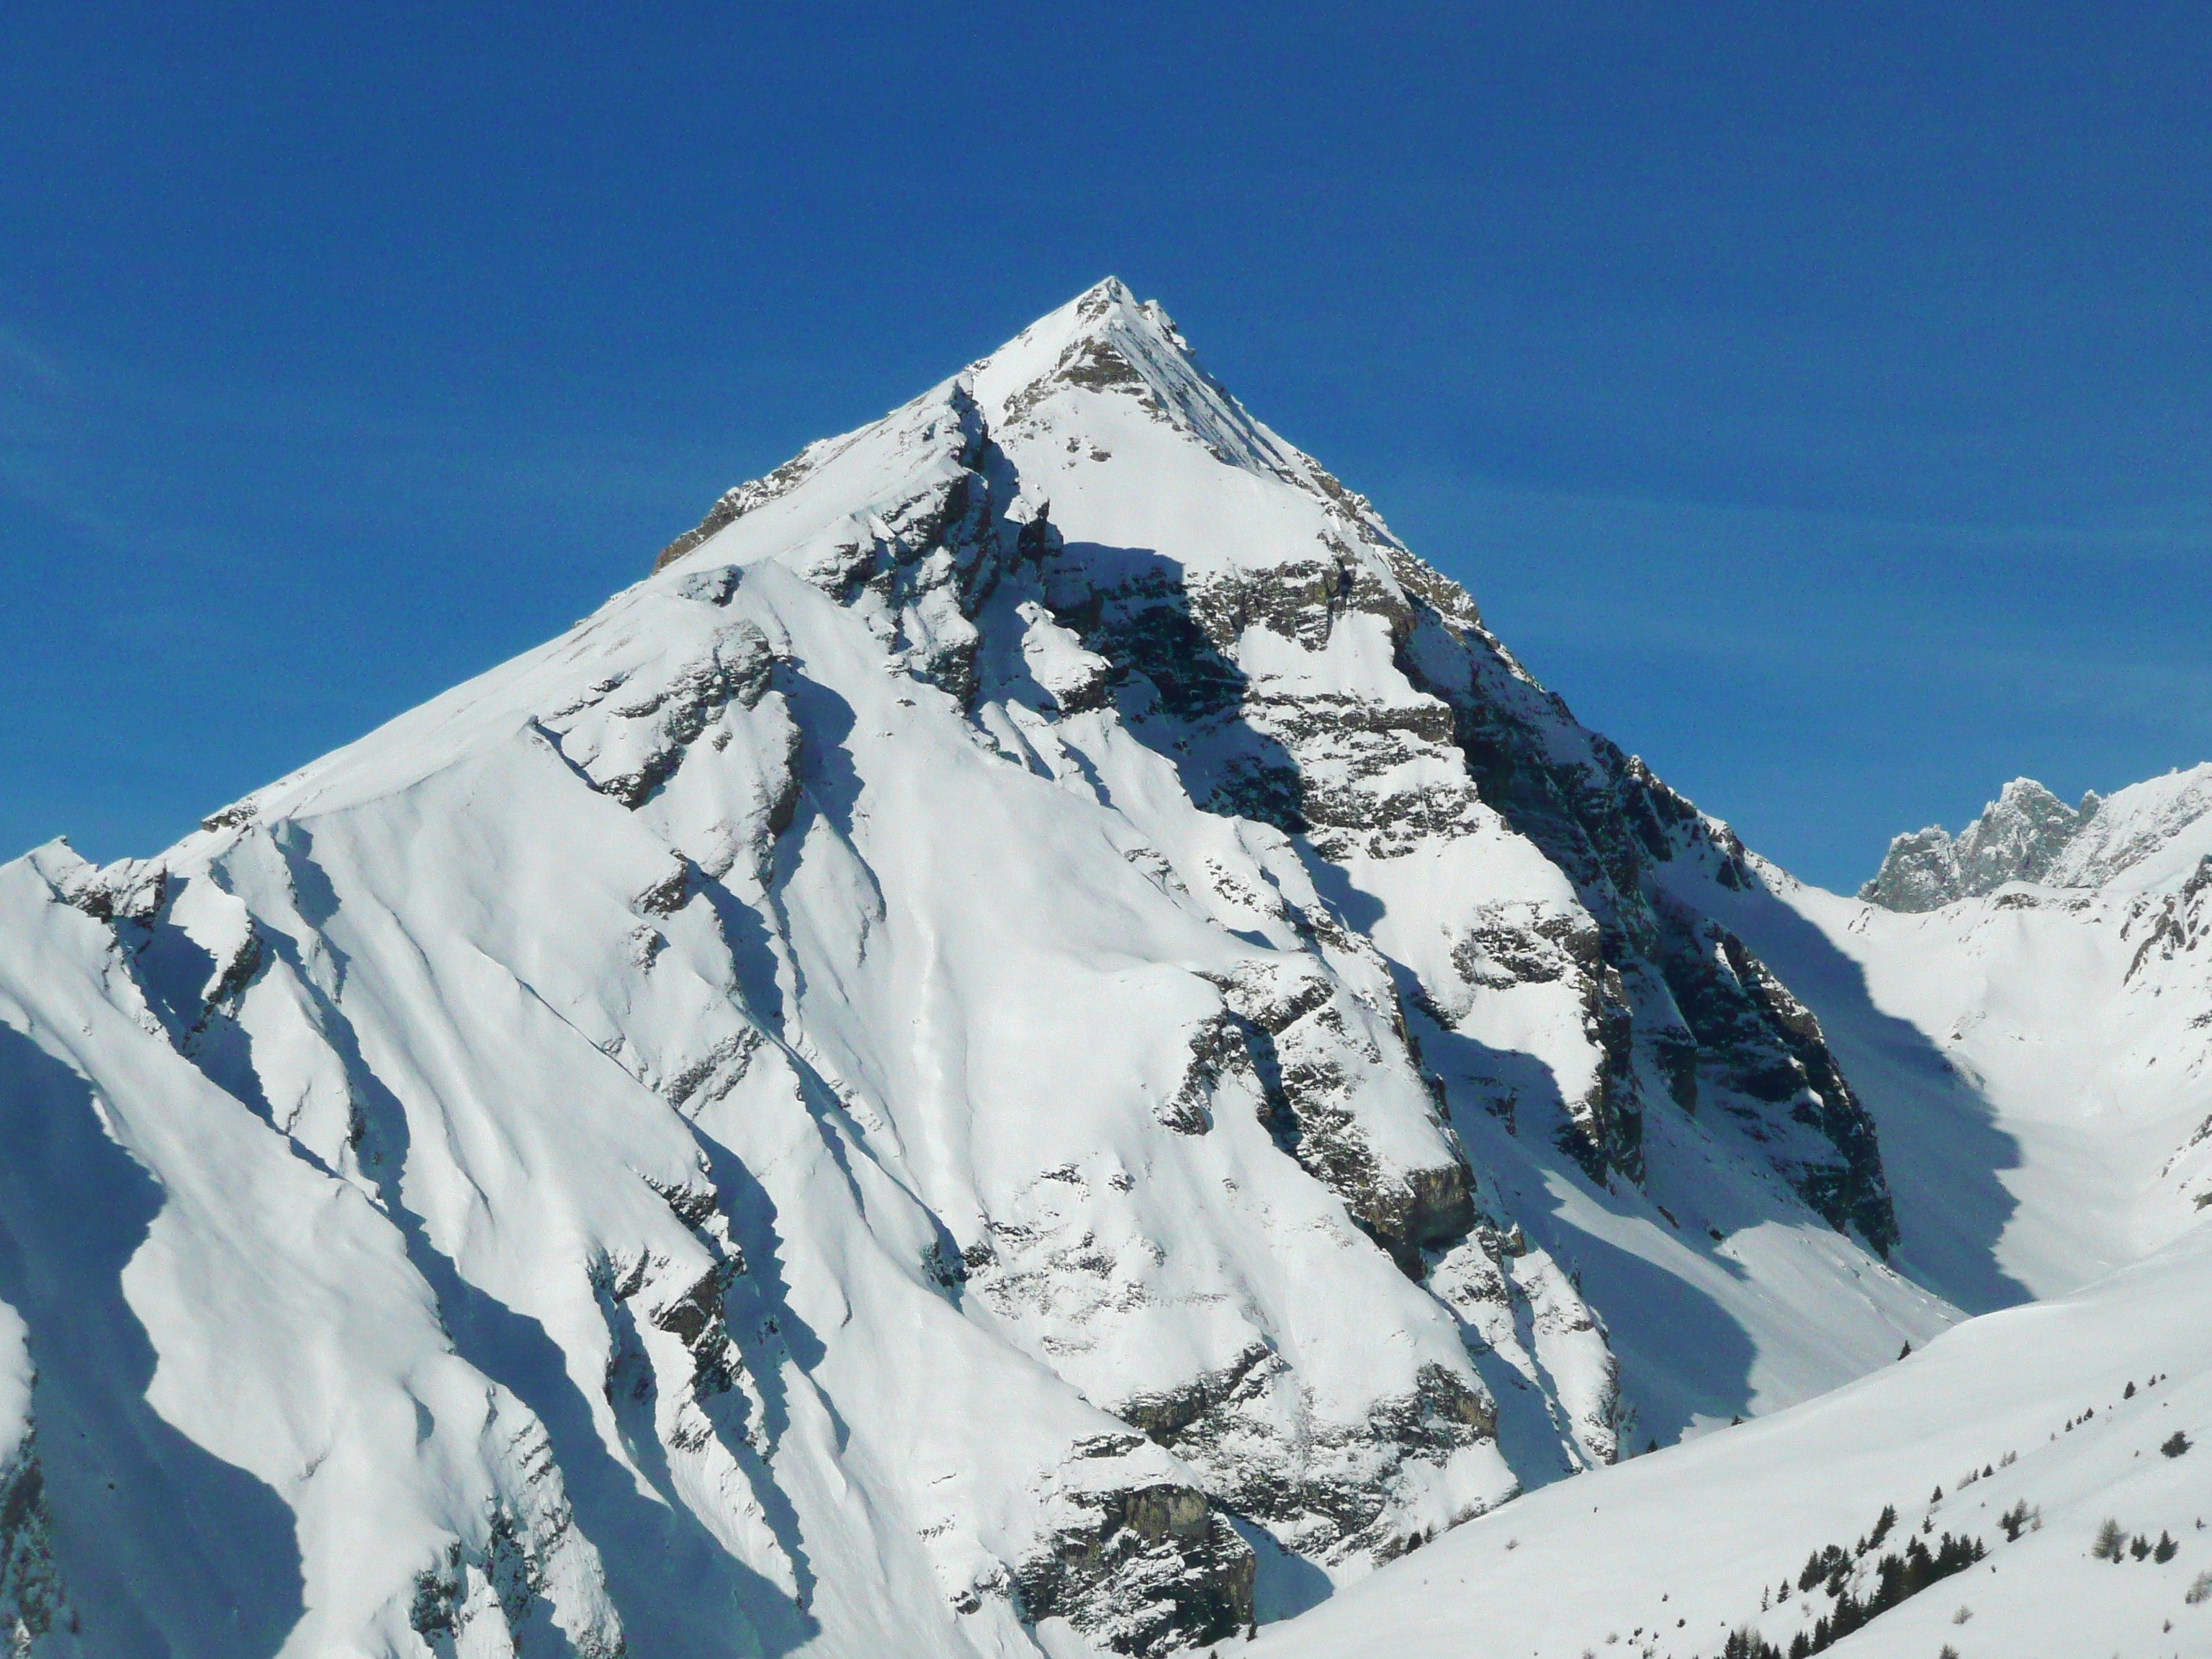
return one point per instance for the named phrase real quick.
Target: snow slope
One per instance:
(2038, 1055)
(1039, 1043)
(2062, 1407)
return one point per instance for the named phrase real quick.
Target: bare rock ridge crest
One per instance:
(1038, 1043)
(2028, 835)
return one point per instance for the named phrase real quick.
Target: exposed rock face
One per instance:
(1920, 871)
(2017, 837)
(1766, 1050)
(917, 1070)
(2023, 834)
(31, 1604)
(1157, 1568)
(1324, 1490)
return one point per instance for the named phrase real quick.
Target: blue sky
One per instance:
(1820, 398)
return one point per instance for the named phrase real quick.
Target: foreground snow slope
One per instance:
(1663, 1557)
(2038, 1053)
(1039, 1039)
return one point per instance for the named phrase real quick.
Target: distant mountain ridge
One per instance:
(2027, 833)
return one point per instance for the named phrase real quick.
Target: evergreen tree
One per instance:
(1883, 1522)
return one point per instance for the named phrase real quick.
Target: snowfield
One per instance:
(1039, 1043)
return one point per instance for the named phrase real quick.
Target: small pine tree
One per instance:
(2176, 1443)
(2139, 1548)
(2130, 1391)
(1882, 1523)
(1938, 1498)
(2166, 1550)
(1745, 1642)
(2111, 1539)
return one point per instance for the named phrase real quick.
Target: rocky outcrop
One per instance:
(628, 738)
(2028, 835)
(1764, 1059)
(1324, 1489)
(2021, 835)
(31, 1599)
(1920, 871)
(1299, 1036)
(1152, 1569)
(2168, 927)
(485, 1598)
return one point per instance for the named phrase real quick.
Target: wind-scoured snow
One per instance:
(1038, 1043)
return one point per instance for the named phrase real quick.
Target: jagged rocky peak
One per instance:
(2017, 837)
(2029, 834)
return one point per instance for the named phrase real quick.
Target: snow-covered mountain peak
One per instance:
(1099, 415)
(1106, 343)
(1037, 1041)
(2144, 835)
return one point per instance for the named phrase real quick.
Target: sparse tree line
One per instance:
(1899, 1575)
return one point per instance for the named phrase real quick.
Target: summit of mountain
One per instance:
(1037, 1042)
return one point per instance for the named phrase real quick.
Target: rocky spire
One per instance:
(2020, 837)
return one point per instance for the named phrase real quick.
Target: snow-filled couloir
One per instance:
(1038, 1043)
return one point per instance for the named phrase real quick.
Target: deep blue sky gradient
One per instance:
(1819, 398)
